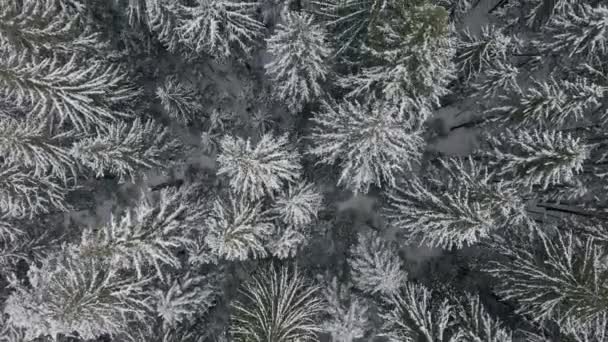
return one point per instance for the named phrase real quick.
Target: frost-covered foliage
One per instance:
(259, 170)
(476, 324)
(582, 30)
(218, 27)
(347, 316)
(348, 20)
(70, 294)
(29, 143)
(496, 78)
(184, 298)
(417, 315)
(150, 234)
(375, 265)
(299, 205)
(456, 204)
(44, 25)
(538, 158)
(277, 304)
(410, 55)
(23, 194)
(476, 53)
(287, 241)
(551, 103)
(554, 275)
(127, 150)
(179, 100)
(62, 91)
(371, 143)
(299, 62)
(237, 229)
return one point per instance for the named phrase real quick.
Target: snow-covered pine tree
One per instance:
(29, 143)
(551, 103)
(70, 294)
(416, 314)
(370, 142)
(127, 150)
(148, 235)
(537, 158)
(298, 205)
(44, 25)
(277, 304)
(65, 92)
(581, 30)
(260, 169)
(184, 297)
(23, 194)
(476, 53)
(375, 265)
(348, 317)
(554, 275)
(497, 78)
(594, 330)
(410, 54)
(218, 27)
(237, 229)
(348, 20)
(477, 325)
(179, 100)
(299, 62)
(457, 203)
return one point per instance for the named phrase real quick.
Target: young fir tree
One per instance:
(218, 27)
(456, 204)
(127, 150)
(62, 91)
(410, 52)
(237, 229)
(277, 304)
(299, 62)
(538, 158)
(554, 275)
(179, 100)
(375, 265)
(299, 205)
(70, 295)
(582, 30)
(259, 170)
(370, 142)
(347, 316)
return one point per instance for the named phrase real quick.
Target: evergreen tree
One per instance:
(497, 78)
(258, 170)
(237, 229)
(370, 142)
(179, 100)
(299, 205)
(375, 265)
(415, 314)
(70, 294)
(44, 25)
(347, 316)
(276, 305)
(580, 30)
(410, 53)
(477, 325)
(476, 53)
(28, 143)
(64, 92)
(217, 27)
(538, 158)
(554, 275)
(127, 150)
(299, 60)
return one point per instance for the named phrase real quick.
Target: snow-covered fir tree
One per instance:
(299, 62)
(258, 169)
(277, 304)
(410, 53)
(299, 205)
(179, 100)
(370, 142)
(375, 265)
(348, 316)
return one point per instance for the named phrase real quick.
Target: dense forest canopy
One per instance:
(304, 170)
